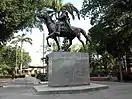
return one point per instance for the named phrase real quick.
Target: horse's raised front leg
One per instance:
(47, 38)
(55, 38)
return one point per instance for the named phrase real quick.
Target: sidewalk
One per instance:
(117, 90)
(19, 82)
(27, 80)
(4, 82)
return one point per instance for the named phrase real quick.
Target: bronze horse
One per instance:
(51, 25)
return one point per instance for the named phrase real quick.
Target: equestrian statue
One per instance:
(62, 28)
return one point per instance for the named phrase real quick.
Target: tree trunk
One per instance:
(120, 68)
(124, 63)
(16, 60)
(43, 53)
(21, 58)
(121, 75)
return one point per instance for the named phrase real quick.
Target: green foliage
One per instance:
(26, 59)
(4, 69)
(11, 76)
(22, 39)
(99, 64)
(5, 76)
(8, 59)
(19, 76)
(17, 15)
(112, 24)
(55, 7)
(75, 48)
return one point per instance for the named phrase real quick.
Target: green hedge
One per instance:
(42, 77)
(19, 76)
(100, 78)
(5, 76)
(12, 76)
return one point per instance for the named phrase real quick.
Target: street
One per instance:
(117, 90)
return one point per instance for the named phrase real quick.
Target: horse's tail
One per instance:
(85, 35)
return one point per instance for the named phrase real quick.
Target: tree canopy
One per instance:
(55, 7)
(17, 15)
(112, 24)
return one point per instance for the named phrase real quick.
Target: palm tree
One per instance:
(55, 7)
(16, 44)
(21, 39)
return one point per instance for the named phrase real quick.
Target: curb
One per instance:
(45, 90)
(43, 83)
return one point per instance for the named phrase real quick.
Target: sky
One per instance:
(35, 50)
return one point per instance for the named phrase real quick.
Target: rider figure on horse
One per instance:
(64, 20)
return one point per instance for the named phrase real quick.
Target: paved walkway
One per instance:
(116, 91)
(19, 82)
(4, 82)
(23, 81)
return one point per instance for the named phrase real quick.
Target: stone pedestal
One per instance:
(68, 69)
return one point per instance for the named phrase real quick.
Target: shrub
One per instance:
(33, 75)
(41, 77)
(127, 76)
(20, 76)
(99, 78)
(5, 76)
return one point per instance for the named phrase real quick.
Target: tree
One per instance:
(112, 22)
(26, 59)
(4, 69)
(99, 64)
(17, 15)
(8, 57)
(16, 46)
(22, 39)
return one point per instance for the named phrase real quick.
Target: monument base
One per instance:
(47, 90)
(68, 73)
(68, 69)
